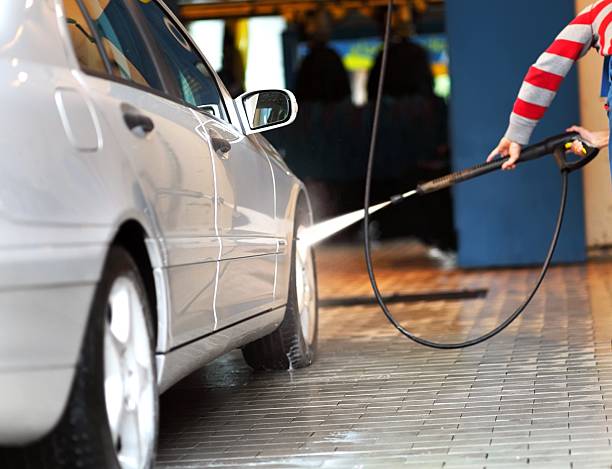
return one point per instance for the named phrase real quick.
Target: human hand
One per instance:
(594, 139)
(507, 149)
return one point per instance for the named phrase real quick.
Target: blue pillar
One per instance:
(507, 219)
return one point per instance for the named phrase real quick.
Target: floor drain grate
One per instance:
(405, 298)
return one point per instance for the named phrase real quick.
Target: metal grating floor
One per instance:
(537, 396)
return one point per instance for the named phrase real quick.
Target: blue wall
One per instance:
(508, 219)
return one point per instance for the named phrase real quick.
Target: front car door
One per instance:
(245, 205)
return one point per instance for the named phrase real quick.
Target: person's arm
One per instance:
(545, 77)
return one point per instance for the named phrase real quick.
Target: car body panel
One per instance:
(43, 392)
(72, 176)
(181, 361)
(37, 318)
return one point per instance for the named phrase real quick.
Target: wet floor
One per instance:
(539, 395)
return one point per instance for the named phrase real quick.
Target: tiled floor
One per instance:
(539, 395)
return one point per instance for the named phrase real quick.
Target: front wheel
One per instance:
(294, 343)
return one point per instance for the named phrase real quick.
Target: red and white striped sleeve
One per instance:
(588, 29)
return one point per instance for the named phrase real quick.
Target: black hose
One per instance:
(368, 253)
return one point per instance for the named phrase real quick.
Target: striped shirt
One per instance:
(591, 28)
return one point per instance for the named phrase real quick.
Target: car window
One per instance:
(83, 41)
(122, 43)
(195, 81)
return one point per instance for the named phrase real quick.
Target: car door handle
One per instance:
(220, 145)
(136, 121)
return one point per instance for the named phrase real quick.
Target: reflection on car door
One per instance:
(171, 159)
(246, 223)
(244, 180)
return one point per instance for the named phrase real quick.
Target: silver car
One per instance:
(145, 229)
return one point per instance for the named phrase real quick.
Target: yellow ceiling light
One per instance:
(337, 11)
(405, 14)
(420, 5)
(366, 11)
(289, 15)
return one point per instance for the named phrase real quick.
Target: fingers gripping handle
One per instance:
(530, 153)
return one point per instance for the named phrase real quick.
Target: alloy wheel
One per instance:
(129, 378)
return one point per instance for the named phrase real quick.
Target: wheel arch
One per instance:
(298, 197)
(132, 236)
(301, 200)
(304, 198)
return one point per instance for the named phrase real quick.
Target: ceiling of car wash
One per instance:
(292, 9)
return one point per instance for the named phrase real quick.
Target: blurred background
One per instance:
(455, 67)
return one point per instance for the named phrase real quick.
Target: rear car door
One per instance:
(165, 149)
(244, 178)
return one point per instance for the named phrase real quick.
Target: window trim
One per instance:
(94, 33)
(158, 61)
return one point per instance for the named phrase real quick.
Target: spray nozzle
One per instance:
(397, 199)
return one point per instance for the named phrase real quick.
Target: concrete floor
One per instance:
(539, 395)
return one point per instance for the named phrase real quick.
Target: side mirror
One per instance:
(266, 110)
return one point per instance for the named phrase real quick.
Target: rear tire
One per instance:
(84, 437)
(293, 345)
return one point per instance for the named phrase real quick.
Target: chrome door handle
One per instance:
(220, 145)
(136, 121)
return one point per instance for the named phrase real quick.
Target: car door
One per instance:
(244, 179)
(169, 154)
(245, 184)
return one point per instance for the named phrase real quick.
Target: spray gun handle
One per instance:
(533, 152)
(569, 165)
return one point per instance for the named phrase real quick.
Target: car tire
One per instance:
(84, 437)
(293, 344)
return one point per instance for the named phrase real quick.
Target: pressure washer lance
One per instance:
(547, 147)
(558, 146)
(319, 232)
